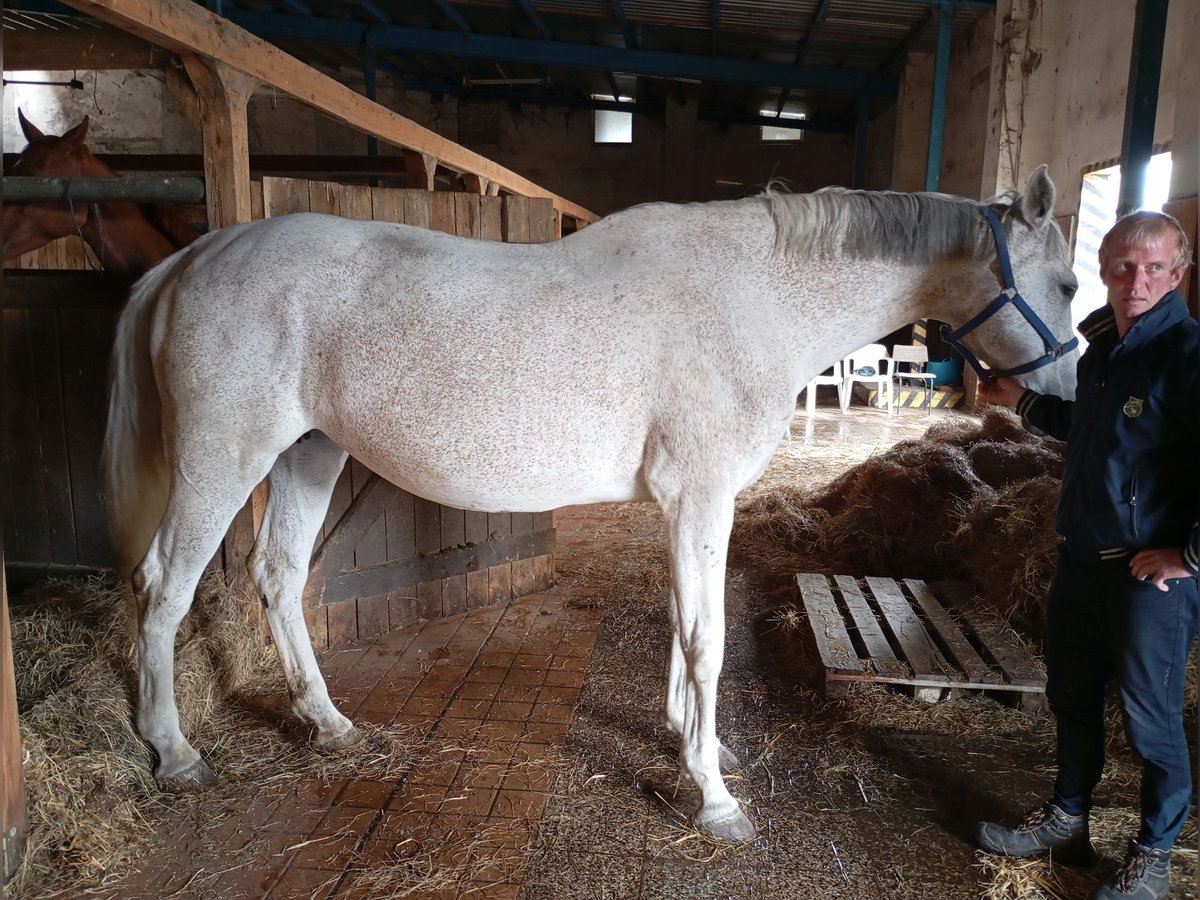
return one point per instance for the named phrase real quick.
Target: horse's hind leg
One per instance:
(164, 585)
(302, 481)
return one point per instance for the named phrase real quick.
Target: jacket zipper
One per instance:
(1133, 507)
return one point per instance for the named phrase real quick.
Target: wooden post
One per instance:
(224, 94)
(12, 779)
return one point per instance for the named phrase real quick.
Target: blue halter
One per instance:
(1055, 349)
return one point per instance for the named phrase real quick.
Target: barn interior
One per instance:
(507, 669)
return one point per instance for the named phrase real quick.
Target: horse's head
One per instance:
(127, 238)
(1030, 341)
(28, 226)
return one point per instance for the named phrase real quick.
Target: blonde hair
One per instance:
(1146, 227)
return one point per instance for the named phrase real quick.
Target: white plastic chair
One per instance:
(831, 376)
(875, 356)
(910, 360)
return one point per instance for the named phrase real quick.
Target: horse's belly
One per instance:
(501, 477)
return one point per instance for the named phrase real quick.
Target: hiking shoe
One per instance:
(1045, 831)
(1145, 875)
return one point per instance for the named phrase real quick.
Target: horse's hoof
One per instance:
(198, 774)
(340, 741)
(727, 760)
(735, 829)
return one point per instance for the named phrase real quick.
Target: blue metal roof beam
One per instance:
(532, 16)
(813, 25)
(557, 53)
(716, 24)
(373, 10)
(453, 15)
(618, 9)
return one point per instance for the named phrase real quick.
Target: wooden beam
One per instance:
(420, 168)
(189, 28)
(95, 48)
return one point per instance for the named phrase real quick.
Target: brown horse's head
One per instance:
(122, 236)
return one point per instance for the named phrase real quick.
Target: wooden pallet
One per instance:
(899, 632)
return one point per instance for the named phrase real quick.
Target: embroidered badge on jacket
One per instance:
(1132, 407)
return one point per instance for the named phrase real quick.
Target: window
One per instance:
(782, 132)
(1097, 213)
(612, 125)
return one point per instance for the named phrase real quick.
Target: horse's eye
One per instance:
(1069, 288)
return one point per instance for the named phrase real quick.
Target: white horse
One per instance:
(656, 355)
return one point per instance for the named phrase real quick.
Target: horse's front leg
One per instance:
(301, 483)
(698, 531)
(677, 697)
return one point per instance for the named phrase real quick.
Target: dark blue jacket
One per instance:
(1132, 475)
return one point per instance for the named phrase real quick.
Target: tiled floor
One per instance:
(488, 696)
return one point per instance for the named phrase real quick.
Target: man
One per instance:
(1123, 600)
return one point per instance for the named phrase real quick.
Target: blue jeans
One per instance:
(1103, 624)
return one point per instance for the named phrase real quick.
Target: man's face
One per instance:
(1138, 276)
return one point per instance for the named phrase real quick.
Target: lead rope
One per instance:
(75, 221)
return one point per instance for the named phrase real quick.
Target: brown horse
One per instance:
(128, 238)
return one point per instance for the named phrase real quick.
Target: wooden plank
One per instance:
(387, 204)
(359, 514)
(882, 658)
(257, 210)
(418, 208)
(466, 214)
(282, 196)
(522, 523)
(46, 375)
(24, 452)
(500, 582)
(343, 622)
(478, 594)
(317, 620)
(372, 616)
(442, 211)
(324, 197)
(833, 641)
(12, 778)
(1018, 668)
(402, 608)
(491, 218)
(516, 220)
(523, 581)
(475, 532)
(44, 289)
(429, 600)
(427, 517)
(87, 337)
(454, 586)
(355, 201)
(91, 48)
(541, 220)
(926, 660)
(432, 567)
(543, 571)
(400, 525)
(951, 635)
(370, 542)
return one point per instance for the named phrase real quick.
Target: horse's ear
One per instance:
(76, 136)
(1037, 203)
(31, 131)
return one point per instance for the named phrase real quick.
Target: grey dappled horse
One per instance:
(655, 355)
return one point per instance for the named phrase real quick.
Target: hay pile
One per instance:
(970, 501)
(93, 805)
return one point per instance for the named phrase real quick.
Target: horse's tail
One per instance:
(134, 462)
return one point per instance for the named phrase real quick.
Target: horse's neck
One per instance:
(125, 241)
(832, 307)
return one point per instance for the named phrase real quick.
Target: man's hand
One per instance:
(1158, 566)
(1001, 391)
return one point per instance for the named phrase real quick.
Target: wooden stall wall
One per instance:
(384, 559)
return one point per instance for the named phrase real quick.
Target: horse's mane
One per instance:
(167, 218)
(908, 228)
